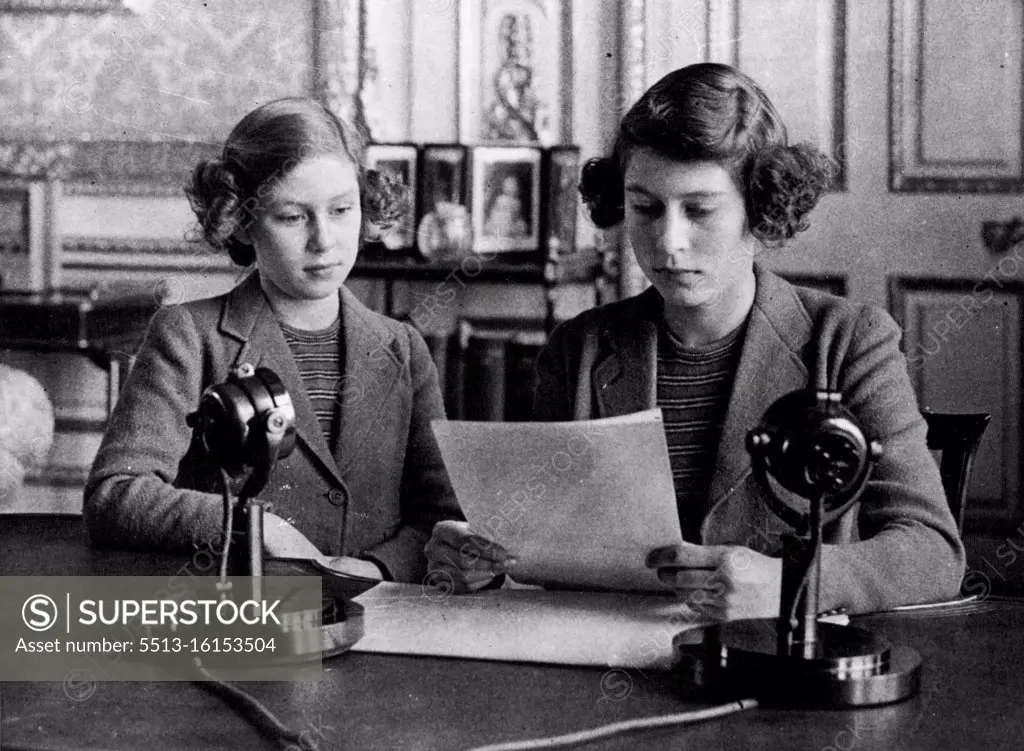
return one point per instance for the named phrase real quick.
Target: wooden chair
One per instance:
(957, 437)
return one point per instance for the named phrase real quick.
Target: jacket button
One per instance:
(336, 497)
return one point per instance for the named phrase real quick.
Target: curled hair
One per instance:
(227, 193)
(216, 201)
(713, 113)
(783, 184)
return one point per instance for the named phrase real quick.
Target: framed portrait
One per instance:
(505, 198)
(443, 230)
(561, 168)
(400, 162)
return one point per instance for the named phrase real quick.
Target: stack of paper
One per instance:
(529, 625)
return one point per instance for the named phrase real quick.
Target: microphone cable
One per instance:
(618, 728)
(252, 710)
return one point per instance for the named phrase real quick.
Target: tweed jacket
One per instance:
(899, 543)
(379, 494)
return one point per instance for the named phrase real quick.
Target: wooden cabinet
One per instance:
(79, 346)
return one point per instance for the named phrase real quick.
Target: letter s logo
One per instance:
(39, 612)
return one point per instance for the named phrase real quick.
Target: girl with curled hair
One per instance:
(290, 196)
(702, 178)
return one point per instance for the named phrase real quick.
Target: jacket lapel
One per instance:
(370, 371)
(770, 366)
(625, 373)
(248, 317)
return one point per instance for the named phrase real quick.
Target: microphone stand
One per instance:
(249, 511)
(801, 581)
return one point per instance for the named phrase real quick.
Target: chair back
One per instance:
(957, 437)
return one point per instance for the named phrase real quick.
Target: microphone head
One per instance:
(813, 446)
(238, 418)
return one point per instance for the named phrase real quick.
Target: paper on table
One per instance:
(579, 504)
(606, 629)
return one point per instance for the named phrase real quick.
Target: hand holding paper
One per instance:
(722, 582)
(465, 561)
(576, 504)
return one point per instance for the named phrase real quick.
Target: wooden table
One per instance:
(973, 694)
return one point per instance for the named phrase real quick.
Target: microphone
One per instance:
(813, 459)
(245, 424)
(815, 448)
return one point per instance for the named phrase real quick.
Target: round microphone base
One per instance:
(854, 667)
(314, 636)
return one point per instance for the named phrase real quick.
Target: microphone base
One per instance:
(856, 668)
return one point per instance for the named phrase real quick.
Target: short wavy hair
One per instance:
(226, 193)
(712, 112)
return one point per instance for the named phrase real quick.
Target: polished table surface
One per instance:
(972, 696)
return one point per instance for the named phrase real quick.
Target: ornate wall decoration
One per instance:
(513, 110)
(510, 71)
(139, 96)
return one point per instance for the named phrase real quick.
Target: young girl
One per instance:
(291, 198)
(702, 177)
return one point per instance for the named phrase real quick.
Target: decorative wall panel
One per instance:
(511, 70)
(956, 94)
(796, 51)
(963, 341)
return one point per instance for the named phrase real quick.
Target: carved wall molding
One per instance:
(723, 19)
(822, 28)
(164, 255)
(512, 59)
(633, 83)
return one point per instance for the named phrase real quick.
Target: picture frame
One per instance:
(505, 198)
(400, 161)
(29, 244)
(443, 230)
(561, 175)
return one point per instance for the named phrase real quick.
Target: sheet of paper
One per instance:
(579, 504)
(604, 629)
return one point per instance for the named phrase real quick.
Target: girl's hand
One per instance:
(464, 561)
(723, 582)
